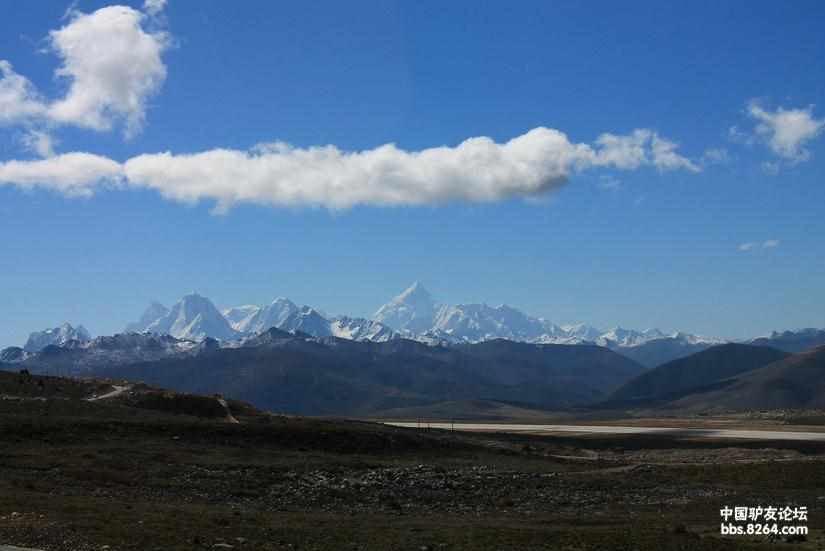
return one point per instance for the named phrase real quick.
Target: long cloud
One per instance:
(277, 174)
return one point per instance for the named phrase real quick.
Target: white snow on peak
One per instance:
(58, 336)
(360, 329)
(412, 310)
(193, 317)
(153, 312)
(412, 314)
(240, 314)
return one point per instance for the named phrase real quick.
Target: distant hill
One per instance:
(468, 410)
(676, 378)
(795, 382)
(662, 350)
(297, 373)
(793, 341)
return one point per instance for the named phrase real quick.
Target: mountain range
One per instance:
(293, 372)
(57, 336)
(795, 382)
(415, 315)
(729, 378)
(693, 373)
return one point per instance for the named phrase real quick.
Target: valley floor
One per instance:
(103, 475)
(693, 432)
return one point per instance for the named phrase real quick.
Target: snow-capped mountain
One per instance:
(14, 354)
(478, 322)
(153, 312)
(59, 336)
(241, 316)
(413, 310)
(582, 331)
(254, 319)
(792, 341)
(619, 336)
(78, 358)
(413, 314)
(307, 320)
(193, 317)
(464, 323)
(360, 329)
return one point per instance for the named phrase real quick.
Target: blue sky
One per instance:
(720, 234)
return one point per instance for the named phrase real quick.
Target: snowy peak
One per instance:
(619, 336)
(307, 320)
(582, 331)
(273, 315)
(193, 317)
(360, 329)
(412, 310)
(474, 322)
(240, 316)
(415, 294)
(154, 312)
(254, 319)
(413, 314)
(59, 336)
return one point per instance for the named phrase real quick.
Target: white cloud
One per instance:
(154, 7)
(113, 66)
(19, 101)
(768, 244)
(624, 152)
(641, 147)
(786, 131)
(477, 170)
(664, 156)
(70, 173)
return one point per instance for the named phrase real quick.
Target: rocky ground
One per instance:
(101, 476)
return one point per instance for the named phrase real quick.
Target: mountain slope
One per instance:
(796, 382)
(296, 373)
(576, 369)
(661, 350)
(696, 371)
(240, 317)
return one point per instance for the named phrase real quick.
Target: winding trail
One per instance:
(118, 390)
(229, 417)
